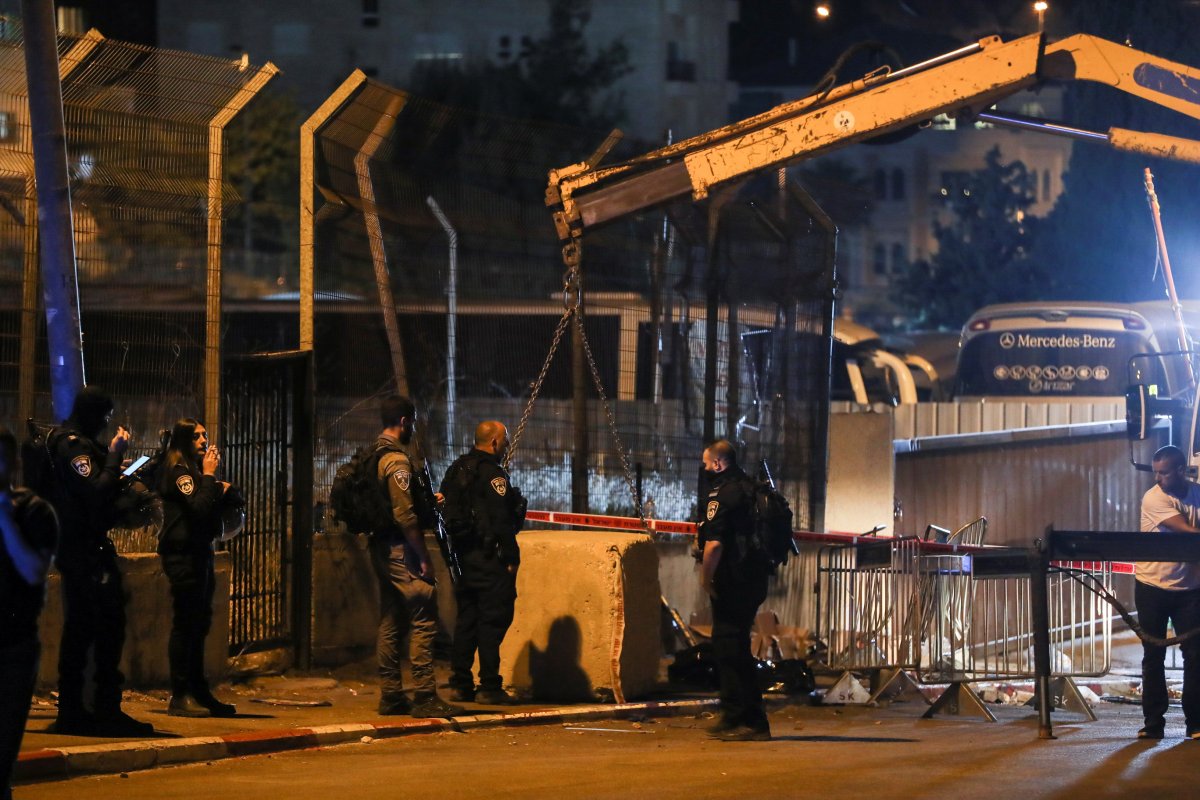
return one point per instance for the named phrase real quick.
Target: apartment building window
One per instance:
(436, 47)
(879, 259)
(899, 258)
(679, 68)
(954, 184)
(898, 188)
(370, 13)
(880, 180)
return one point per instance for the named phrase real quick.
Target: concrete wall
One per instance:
(148, 623)
(862, 472)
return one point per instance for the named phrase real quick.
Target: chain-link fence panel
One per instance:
(145, 149)
(437, 273)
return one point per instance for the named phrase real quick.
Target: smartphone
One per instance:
(138, 463)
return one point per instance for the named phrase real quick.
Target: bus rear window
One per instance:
(1060, 362)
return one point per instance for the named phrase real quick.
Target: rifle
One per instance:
(445, 543)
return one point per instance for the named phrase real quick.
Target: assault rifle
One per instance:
(445, 543)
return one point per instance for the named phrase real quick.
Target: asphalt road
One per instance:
(823, 752)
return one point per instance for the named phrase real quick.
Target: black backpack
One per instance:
(772, 517)
(357, 498)
(37, 460)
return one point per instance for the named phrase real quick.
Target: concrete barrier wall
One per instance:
(584, 599)
(148, 623)
(587, 617)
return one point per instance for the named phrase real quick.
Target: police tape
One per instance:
(615, 523)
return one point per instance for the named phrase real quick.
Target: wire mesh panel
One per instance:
(437, 272)
(256, 453)
(143, 141)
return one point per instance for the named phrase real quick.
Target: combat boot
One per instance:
(431, 705)
(115, 722)
(184, 705)
(393, 705)
(206, 698)
(494, 697)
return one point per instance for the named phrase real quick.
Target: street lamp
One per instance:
(822, 11)
(1040, 7)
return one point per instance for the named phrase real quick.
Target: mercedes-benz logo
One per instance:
(1007, 340)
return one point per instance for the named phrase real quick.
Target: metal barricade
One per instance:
(868, 614)
(894, 606)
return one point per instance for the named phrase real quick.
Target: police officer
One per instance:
(192, 503)
(483, 513)
(28, 533)
(87, 478)
(402, 565)
(733, 574)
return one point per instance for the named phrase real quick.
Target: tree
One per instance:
(1100, 239)
(983, 249)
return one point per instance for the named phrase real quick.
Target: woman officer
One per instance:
(191, 498)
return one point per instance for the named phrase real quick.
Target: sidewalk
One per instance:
(278, 713)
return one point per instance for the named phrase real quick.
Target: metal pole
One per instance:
(383, 282)
(60, 280)
(308, 198)
(1039, 565)
(215, 239)
(711, 338)
(451, 325)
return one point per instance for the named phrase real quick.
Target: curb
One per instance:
(69, 762)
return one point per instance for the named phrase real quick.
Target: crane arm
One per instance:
(964, 82)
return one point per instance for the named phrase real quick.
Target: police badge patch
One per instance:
(82, 465)
(711, 511)
(500, 486)
(402, 480)
(185, 484)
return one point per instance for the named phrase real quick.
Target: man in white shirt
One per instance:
(1168, 590)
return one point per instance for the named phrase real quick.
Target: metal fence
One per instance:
(908, 604)
(430, 266)
(145, 134)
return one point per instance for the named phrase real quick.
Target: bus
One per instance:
(1069, 351)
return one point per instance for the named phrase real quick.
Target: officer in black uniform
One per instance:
(192, 500)
(734, 575)
(87, 480)
(28, 533)
(483, 513)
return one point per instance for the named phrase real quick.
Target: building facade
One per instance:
(678, 49)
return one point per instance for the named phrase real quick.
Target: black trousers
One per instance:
(1155, 606)
(18, 672)
(192, 582)
(734, 609)
(93, 620)
(485, 598)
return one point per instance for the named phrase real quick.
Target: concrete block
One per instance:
(147, 626)
(587, 617)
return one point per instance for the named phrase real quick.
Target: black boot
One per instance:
(184, 705)
(73, 718)
(115, 722)
(206, 698)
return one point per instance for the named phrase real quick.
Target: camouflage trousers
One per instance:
(408, 608)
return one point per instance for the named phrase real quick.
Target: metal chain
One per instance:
(571, 304)
(612, 424)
